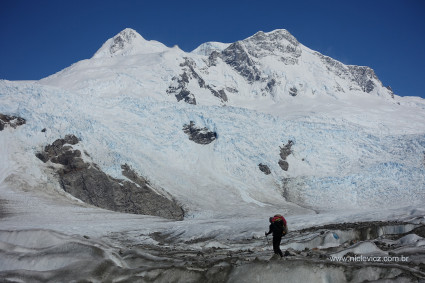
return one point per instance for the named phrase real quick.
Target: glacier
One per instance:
(357, 154)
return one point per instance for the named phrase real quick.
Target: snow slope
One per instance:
(333, 165)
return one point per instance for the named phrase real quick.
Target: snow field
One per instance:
(332, 165)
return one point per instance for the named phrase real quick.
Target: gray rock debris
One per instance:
(180, 83)
(199, 135)
(87, 182)
(242, 55)
(12, 121)
(293, 91)
(238, 58)
(122, 39)
(285, 151)
(264, 168)
(362, 76)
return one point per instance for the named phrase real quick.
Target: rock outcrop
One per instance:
(179, 85)
(293, 91)
(11, 121)
(199, 135)
(238, 58)
(285, 151)
(87, 182)
(264, 168)
(362, 76)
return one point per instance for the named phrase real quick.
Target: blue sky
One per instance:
(39, 38)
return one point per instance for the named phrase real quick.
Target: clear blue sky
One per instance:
(39, 38)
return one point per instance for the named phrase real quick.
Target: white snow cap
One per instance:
(128, 42)
(208, 47)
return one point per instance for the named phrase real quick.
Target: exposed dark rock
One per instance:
(179, 89)
(220, 94)
(71, 139)
(242, 56)
(44, 130)
(186, 96)
(270, 85)
(290, 252)
(285, 151)
(236, 56)
(391, 91)
(232, 90)
(279, 42)
(363, 77)
(212, 59)
(57, 148)
(121, 40)
(43, 156)
(88, 183)
(334, 66)
(293, 91)
(199, 135)
(190, 64)
(420, 231)
(12, 121)
(179, 85)
(284, 165)
(95, 187)
(264, 168)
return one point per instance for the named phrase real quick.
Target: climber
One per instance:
(279, 228)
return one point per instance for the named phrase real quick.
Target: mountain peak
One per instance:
(124, 39)
(128, 42)
(275, 36)
(208, 47)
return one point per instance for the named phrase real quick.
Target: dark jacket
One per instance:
(277, 229)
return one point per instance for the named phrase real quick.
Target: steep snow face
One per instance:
(146, 75)
(277, 65)
(207, 48)
(128, 42)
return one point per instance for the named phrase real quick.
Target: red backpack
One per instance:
(282, 219)
(279, 217)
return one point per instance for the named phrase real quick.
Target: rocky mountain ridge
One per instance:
(87, 182)
(268, 64)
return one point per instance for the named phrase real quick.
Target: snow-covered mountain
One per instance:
(273, 65)
(247, 129)
(354, 142)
